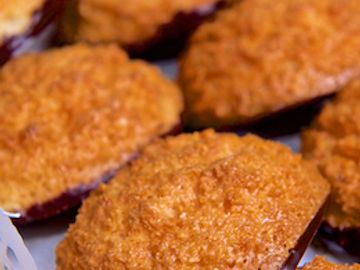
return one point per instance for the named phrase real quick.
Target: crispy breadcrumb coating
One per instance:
(126, 22)
(198, 201)
(70, 115)
(320, 263)
(333, 143)
(264, 56)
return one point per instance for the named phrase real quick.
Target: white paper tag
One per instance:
(13, 253)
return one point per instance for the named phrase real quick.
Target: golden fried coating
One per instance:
(126, 22)
(264, 56)
(333, 143)
(69, 115)
(16, 15)
(197, 201)
(320, 263)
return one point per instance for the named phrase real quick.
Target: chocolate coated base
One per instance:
(298, 251)
(32, 39)
(284, 122)
(340, 241)
(68, 199)
(171, 38)
(72, 197)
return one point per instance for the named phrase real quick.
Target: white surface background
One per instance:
(42, 238)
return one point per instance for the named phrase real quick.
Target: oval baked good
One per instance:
(199, 201)
(333, 143)
(70, 118)
(262, 56)
(320, 263)
(27, 25)
(137, 25)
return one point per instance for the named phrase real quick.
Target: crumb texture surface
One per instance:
(70, 115)
(198, 201)
(263, 56)
(126, 22)
(333, 143)
(320, 263)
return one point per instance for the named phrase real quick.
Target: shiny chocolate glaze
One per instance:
(72, 197)
(340, 241)
(32, 39)
(304, 241)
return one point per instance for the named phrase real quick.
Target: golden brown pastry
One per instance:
(27, 25)
(333, 143)
(265, 56)
(198, 201)
(320, 263)
(69, 118)
(136, 25)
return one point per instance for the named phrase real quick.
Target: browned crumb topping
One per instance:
(69, 115)
(263, 56)
(333, 143)
(198, 201)
(16, 16)
(123, 21)
(320, 263)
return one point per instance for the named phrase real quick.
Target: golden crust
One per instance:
(262, 56)
(69, 115)
(126, 22)
(197, 201)
(333, 143)
(320, 263)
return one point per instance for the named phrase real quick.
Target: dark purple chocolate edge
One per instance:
(287, 121)
(290, 120)
(72, 198)
(171, 38)
(48, 14)
(68, 199)
(339, 241)
(304, 241)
